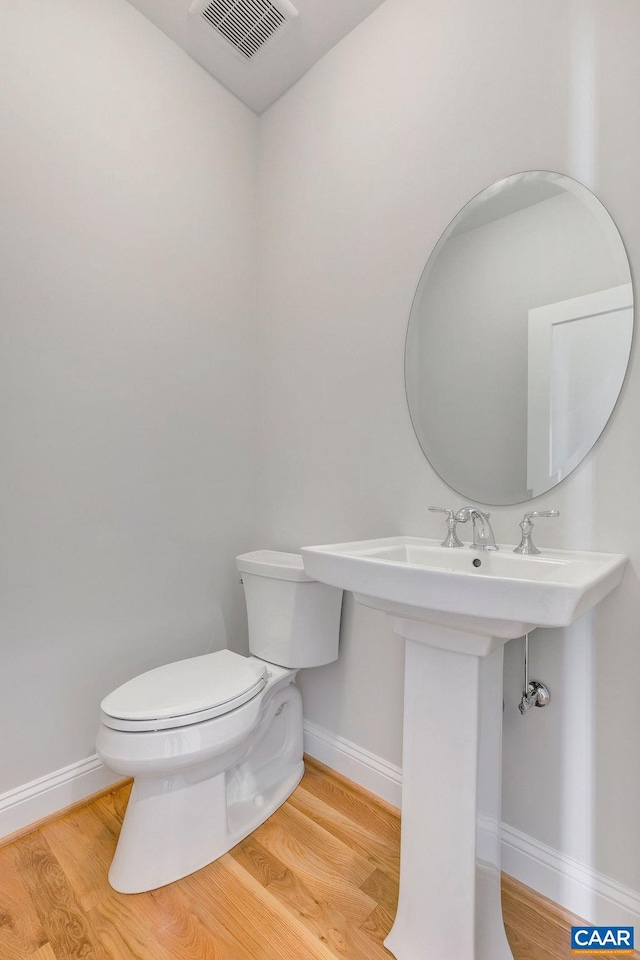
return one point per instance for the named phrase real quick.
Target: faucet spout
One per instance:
(483, 538)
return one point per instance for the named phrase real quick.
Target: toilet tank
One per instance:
(294, 621)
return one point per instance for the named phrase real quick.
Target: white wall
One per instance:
(127, 250)
(363, 165)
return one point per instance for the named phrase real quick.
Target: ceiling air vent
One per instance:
(247, 25)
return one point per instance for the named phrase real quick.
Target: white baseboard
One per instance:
(40, 798)
(580, 889)
(371, 772)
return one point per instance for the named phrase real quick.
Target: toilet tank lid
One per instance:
(272, 563)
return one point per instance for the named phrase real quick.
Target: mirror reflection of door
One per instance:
(571, 344)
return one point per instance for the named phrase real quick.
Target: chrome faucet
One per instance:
(483, 538)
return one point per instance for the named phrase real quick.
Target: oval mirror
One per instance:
(519, 338)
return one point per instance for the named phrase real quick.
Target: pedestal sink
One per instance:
(456, 609)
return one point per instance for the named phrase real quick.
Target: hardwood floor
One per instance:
(317, 881)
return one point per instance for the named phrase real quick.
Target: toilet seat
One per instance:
(185, 692)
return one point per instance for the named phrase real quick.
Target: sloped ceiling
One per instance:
(321, 24)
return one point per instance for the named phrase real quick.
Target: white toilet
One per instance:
(214, 743)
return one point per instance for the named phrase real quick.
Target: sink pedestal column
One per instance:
(449, 903)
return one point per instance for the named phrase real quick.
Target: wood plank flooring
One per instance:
(317, 881)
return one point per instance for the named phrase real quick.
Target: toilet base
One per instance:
(183, 820)
(153, 850)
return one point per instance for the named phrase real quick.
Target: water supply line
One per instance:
(534, 693)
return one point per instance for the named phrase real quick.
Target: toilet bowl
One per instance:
(214, 743)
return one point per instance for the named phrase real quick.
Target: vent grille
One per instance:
(246, 24)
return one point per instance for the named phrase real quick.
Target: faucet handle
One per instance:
(451, 539)
(540, 513)
(526, 545)
(449, 513)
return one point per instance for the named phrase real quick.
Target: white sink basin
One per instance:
(498, 594)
